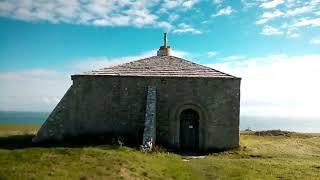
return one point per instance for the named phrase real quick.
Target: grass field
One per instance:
(260, 157)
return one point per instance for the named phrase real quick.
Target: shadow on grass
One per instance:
(111, 141)
(25, 141)
(16, 142)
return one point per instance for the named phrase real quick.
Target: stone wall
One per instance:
(99, 104)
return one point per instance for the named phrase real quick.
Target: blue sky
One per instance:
(274, 45)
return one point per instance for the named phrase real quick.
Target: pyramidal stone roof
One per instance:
(159, 66)
(162, 65)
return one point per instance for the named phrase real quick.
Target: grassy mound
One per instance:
(260, 157)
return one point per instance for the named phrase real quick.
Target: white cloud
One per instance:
(266, 16)
(269, 30)
(217, 1)
(139, 13)
(212, 53)
(277, 85)
(307, 22)
(300, 10)
(140, 17)
(292, 35)
(173, 17)
(179, 53)
(295, 14)
(233, 58)
(314, 2)
(32, 90)
(171, 4)
(248, 4)
(224, 11)
(90, 12)
(188, 4)
(271, 4)
(293, 3)
(185, 28)
(113, 21)
(315, 40)
(164, 25)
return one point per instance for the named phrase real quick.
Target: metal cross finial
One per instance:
(165, 39)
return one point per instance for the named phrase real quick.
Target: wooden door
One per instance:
(189, 130)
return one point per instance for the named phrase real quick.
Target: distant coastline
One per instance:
(306, 125)
(295, 124)
(16, 117)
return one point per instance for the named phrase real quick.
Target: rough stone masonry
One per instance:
(195, 107)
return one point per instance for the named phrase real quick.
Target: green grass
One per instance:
(260, 157)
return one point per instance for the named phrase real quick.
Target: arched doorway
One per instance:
(189, 130)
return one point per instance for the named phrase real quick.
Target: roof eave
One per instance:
(150, 76)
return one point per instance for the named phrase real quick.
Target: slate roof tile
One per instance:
(159, 66)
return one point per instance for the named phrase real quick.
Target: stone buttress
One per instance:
(149, 135)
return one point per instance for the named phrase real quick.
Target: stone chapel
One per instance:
(163, 99)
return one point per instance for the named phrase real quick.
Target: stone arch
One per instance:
(175, 122)
(189, 130)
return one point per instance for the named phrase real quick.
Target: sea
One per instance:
(297, 124)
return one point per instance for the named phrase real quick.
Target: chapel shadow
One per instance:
(105, 141)
(16, 142)
(111, 141)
